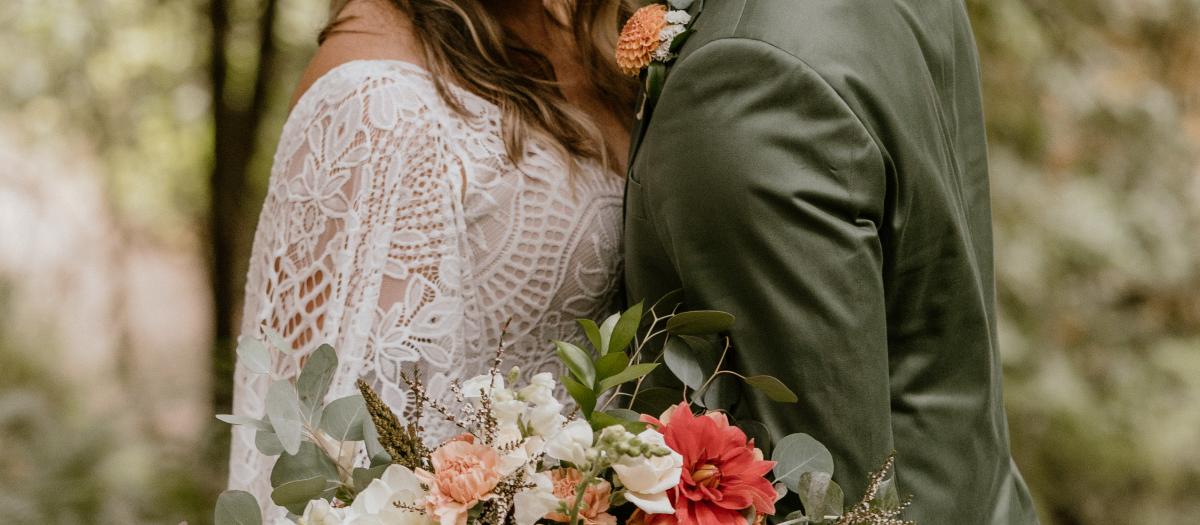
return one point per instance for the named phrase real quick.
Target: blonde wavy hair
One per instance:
(464, 45)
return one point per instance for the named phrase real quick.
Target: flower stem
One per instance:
(704, 387)
(573, 518)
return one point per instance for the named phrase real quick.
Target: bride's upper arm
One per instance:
(364, 31)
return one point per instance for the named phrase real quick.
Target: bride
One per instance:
(449, 168)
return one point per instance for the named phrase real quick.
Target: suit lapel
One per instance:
(639, 130)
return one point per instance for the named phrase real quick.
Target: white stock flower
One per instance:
(520, 450)
(678, 17)
(533, 503)
(543, 416)
(545, 420)
(571, 443)
(647, 480)
(508, 412)
(540, 390)
(475, 387)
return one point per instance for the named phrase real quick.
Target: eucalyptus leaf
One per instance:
(584, 396)
(721, 393)
(685, 364)
(629, 374)
(237, 507)
(254, 355)
(259, 424)
(819, 495)
(277, 341)
(796, 516)
(267, 443)
(591, 331)
(625, 330)
(773, 388)
(700, 322)
(680, 4)
(285, 414)
(363, 477)
(343, 418)
(315, 379)
(611, 365)
(796, 454)
(307, 462)
(294, 495)
(295, 477)
(375, 450)
(578, 362)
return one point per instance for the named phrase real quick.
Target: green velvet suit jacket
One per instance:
(819, 169)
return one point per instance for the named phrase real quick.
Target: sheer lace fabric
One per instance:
(397, 231)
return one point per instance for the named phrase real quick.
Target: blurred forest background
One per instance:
(135, 142)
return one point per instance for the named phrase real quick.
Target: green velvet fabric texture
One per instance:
(819, 169)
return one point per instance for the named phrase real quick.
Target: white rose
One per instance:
(318, 512)
(375, 504)
(647, 480)
(533, 503)
(571, 443)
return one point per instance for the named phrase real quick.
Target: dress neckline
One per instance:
(312, 94)
(391, 63)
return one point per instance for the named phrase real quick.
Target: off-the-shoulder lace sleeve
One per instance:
(360, 245)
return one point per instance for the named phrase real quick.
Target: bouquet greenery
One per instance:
(653, 455)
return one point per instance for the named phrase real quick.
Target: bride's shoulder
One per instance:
(370, 43)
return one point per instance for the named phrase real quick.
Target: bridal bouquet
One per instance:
(655, 456)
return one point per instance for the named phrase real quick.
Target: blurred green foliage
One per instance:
(64, 464)
(1094, 124)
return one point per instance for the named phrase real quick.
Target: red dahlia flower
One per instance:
(723, 473)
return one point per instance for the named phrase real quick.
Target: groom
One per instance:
(818, 168)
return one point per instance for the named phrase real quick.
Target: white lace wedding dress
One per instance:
(398, 231)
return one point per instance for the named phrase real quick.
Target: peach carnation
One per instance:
(464, 474)
(641, 35)
(595, 498)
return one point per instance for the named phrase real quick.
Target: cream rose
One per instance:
(398, 484)
(647, 480)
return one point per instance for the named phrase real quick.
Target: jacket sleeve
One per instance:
(766, 193)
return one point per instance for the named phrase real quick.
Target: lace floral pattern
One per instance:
(397, 230)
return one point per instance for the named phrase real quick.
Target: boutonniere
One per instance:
(650, 41)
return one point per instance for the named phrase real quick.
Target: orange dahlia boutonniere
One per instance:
(650, 41)
(652, 34)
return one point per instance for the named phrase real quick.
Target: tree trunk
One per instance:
(236, 128)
